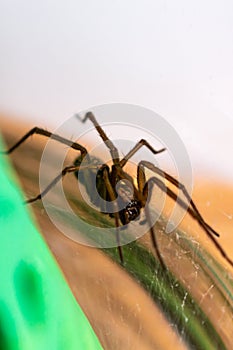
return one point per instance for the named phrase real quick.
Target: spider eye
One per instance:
(132, 210)
(133, 213)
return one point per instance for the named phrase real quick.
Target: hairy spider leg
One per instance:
(179, 185)
(46, 133)
(145, 192)
(113, 149)
(136, 148)
(173, 195)
(66, 170)
(71, 169)
(110, 145)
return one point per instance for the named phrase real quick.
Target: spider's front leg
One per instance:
(43, 132)
(109, 144)
(136, 148)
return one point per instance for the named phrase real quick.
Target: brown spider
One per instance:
(121, 206)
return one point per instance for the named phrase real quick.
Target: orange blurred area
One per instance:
(215, 202)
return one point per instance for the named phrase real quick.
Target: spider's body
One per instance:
(92, 178)
(113, 191)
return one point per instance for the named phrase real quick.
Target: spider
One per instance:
(123, 205)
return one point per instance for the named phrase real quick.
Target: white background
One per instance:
(175, 57)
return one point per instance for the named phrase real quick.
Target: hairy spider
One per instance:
(106, 178)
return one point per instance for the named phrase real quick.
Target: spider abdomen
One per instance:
(90, 175)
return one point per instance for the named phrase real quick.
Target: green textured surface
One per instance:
(37, 308)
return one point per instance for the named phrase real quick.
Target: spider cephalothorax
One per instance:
(113, 191)
(92, 178)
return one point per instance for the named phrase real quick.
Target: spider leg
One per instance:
(71, 169)
(153, 238)
(173, 195)
(112, 148)
(179, 185)
(112, 196)
(46, 133)
(136, 148)
(144, 191)
(66, 170)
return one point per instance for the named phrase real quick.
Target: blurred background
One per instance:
(60, 57)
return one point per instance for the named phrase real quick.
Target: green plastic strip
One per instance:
(37, 308)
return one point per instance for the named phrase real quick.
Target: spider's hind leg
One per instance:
(65, 171)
